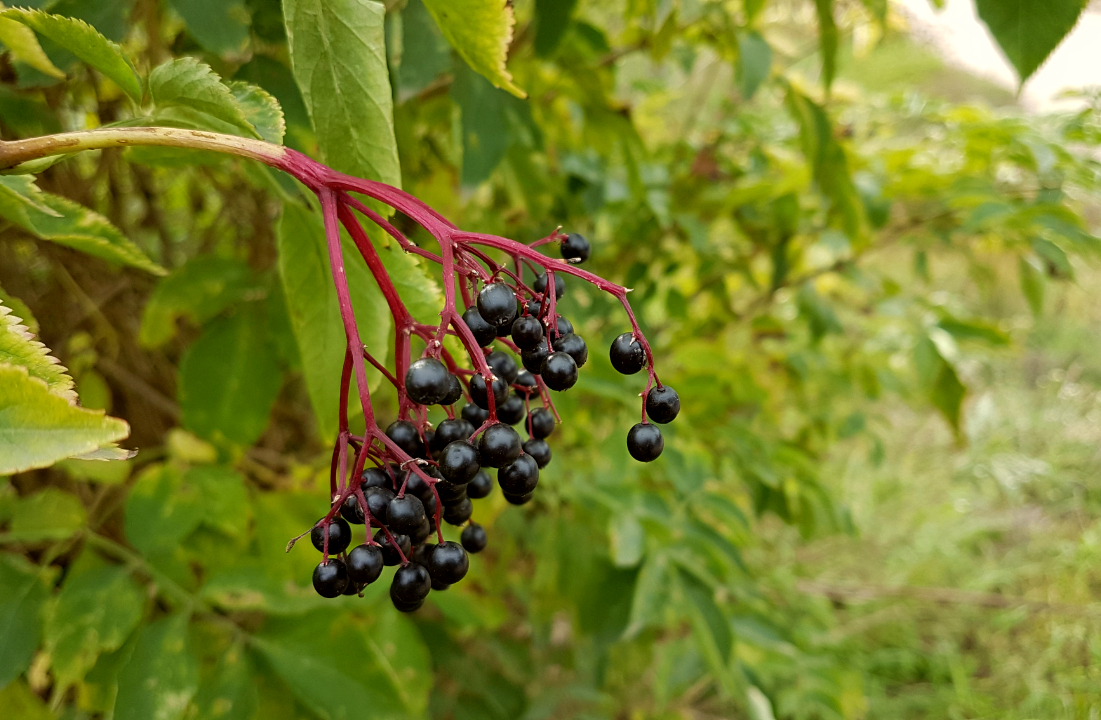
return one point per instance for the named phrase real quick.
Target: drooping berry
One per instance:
(459, 462)
(404, 434)
(511, 411)
(483, 332)
(574, 346)
(540, 423)
(378, 502)
(575, 248)
(410, 586)
(449, 563)
(498, 446)
(497, 304)
(564, 326)
(559, 371)
(478, 391)
(526, 380)
(351, 589)
(458, 513)
(503, 366)
(454, 391)
(540, 284)
(533, 359)
(519, 499)
(662, 404)
(520, 477)
(405, 514)
(474, 538)
(480, 486)
(503, 331)
(340, 534)
(450, 493)
(375, 477)
(539, 450)
(422, 554)
(527, 332)
(449, 431)
(644, 442)
(439, 586)
(427, 381)
(416, 485)
(351, 511)
(475, 415)
(390, 555)
(422, 533)
(330, 578)
(627, 354)
(365, 564)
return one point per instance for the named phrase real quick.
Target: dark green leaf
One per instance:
(552, 17)
(754, 62)
(1055, 260)
(22, 595)
(220, 26)
(425, 54)
(709, 626)
(1028, 30)
(1032, 284)
(198, 291)
(939, 380)
(161, 676)
(974, 330)
(485, 128)
(819, 315)
(161, 510)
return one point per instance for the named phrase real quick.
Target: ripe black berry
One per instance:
(405, 436)
(390, 555)
(662, 404)
(423, 531)
(340, 534)
(458, 513)
(540, 285)
(478, 391)
(575, 248)
(564, 326)
(503, 366)
(526, 380)
(644, 442)
(410, 585)
(498, 446)
(330, 578)
(378, 502)
(365, 564)
(574, 346)
(519, 499)
(375, 477)
(503, 331)
(559, 371)
(449, 431)
(627, 354)
(511, 411)
(405, 514)
(351, 511)
(449, 563)
(450, 493)
(483, 332)
(527, 332)
(540, 423)
(497, 304)
(422, 554)
(474, 538)
(519, 477)
(533, 358)
(454, 391)
(427, 381)
(475, 415)
(459, 462)
(539, 450)
(439, 586)
(480, 486)
(417, 486)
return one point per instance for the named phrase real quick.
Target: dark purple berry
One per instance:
(422, 554)
(330, 578)
(483, 332)
(454, 391)
(449, 431)
(459, 462)
(539, 450)
(533, 359)
(404, 434)
(511, 411)
(480, 486)
(564, 326)
(458, 513)
(540, 423)
(422, 533)
(498, 446)
(627, 354)
(450, 493)
(497, 304)
(365, 564)
(416, 485)
(575, 248)
(340, 534)
(439, 586)
(378, 502)
(574, 346)
(644, 442)
(519, 477)
(474, 538)
(410, 585)
(405, 514)
(376, 477)
(662, 404)
(525, 380)
(519, 499)
(390, 555)
(351, 511)
(475, 415)
(478, 391)
(427, 381)
(540, 285)
(503, 366)
(559, 371)
(527, 332)
(449, 563)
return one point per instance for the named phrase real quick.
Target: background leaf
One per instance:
(480, 31)
(22, 594)
(23, 45)
(552, 17)
(219, 26)
(161, 676)
(1029, 30)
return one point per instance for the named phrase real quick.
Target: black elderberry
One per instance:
(511, 411)
(449, 431)
(459, 462)
(527, 332)
(497, 304)
(422, 554)
(539, 450)
(540, 284)
(559, 371)
(540, 423)
(450, 493)
(503, 331)
(351, 588)
(365, 564)
(454, 391)
(525, 380)
(449, 563)
(422, 533)
(351, 511)
(503, 366)
(474, 538)
(430, 505)
(439, 586)
(375, 477)
(480, 486)
(427, 381)
(410, 585)
(330, 578)
(575, 248)
(407, 607)
(662, 404)
(405, 436)
(474, 415)
(498, 446)
(535, 308)
(627, 354)
(405, 514)
(378, 502)
(644, 442)
(458, 513)
(416, 485)
(390, 555)
(574, 346)
(483, 332)
(519, 499)
(520, 477)
(565, 327)
(340, 534)
(533, 359)
(478, 391)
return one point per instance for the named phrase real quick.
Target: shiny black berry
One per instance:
(449, 563)
(559, 371)
(365, 564)
(540, 423)
(378, 502)
(427, 381)
(539, 450)
(483, 332)
(454, 391)
(449, 431)
(416, 485)
(458, 513)
(498, 446)
(422, 554)
(450, 493)
(525, 380)
(459, 462)
(478, 391)
(662, 404)
(503, 366)
(340, 534)
(574, 346)
(564, 326)
(410, 585)
(519, 499)
(540, 285)
(405, 436)
(375, 477)
(533, 358)
(511, 411)
(627, 354)
(390, 555)
(475, 415)
(330, 578)
(405, 514)
(474, 538)
(422, 533)
(527, 332)
(575, 248)
(497, 304)
(644, 442)
(519, 477)
(351, 511)
(480, 486)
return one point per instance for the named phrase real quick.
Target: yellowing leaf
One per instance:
(480, 31)
(23, 45)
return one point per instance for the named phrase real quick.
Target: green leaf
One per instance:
(1055, 260)
(82, 40)
(38, 428)
(199, 291)
(229, 692)
(753, 8)
(161, 676)
(229, 378)
(485, 128)
(651, 595)
(827, 40)
(23, 46)
(939, 381)
(754, 62)
(480, 31)
(94, 613)
(18, 347)
(219, 26)
(974, 330)
(709, 626)
(260, 109)
(22, 595)
(161, 510)
(185, 83)
(552, 17)
(338, 54)
(1032, 284)
(17, 700)
(628, 540)
(315, 313)
(1029, 30)
(51, 514)
(425, 53)
(819, 315)
(878, 10)
(222, 497)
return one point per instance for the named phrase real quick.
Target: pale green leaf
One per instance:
(754, 62)
(827, 40)
(185, 83)
(161, 677)
(21, 311)
(229, 692)
(1029, 30)
(22, 594)
(38, 428)
(1032, 284)
(82, 40)
(108, 452)
(222, 497)
(219, 26)
(260, 109)
(480, 31)
(198, 290)
(18, 347)
(23, 46)
(51, 514)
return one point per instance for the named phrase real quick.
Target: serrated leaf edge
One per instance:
(10, 321)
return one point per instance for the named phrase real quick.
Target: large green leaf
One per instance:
(220, 26)
(230, 377)
(552, 17)
(1028, 30)
(94, 613)
(23, 46)
(38, 428)
(22, 594)
(82, 40)
(338, 53)
(199, 290)
(484, 125)
(161, 676)
(480, 31)
(185, 83)
(18, 347)
(425, 53)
